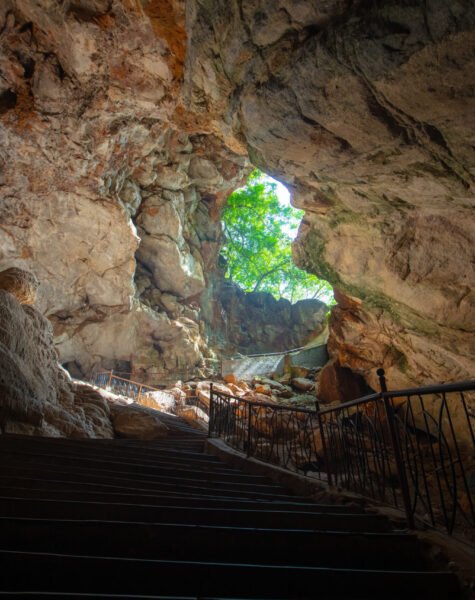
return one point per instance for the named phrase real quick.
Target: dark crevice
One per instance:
(8, 100)
(387, 118)
(27, 63)
(26, 27)
(435, 135)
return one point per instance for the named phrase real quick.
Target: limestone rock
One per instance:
(36, 395)
(110, 136)
(194, 416)
(98, 169)
(22, 284)
(302, 384)
(256, 322)
(366, 115)
(96, 409)
(137, 422)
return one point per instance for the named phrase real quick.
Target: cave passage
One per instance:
(259, 226)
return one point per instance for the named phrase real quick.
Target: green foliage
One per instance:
(257, 250)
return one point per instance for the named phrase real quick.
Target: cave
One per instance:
(127, 124)
(112, 191)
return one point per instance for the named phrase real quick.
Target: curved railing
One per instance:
(412, 449)
(140, 392)
(120, 385)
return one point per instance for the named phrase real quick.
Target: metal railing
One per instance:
(124, 387)
(412, 449)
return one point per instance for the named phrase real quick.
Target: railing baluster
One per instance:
(360, 442)
(397, 451)
(211, 411)
(326, 457)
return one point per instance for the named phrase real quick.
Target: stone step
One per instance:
(152, 483)
(135, 519)
(94, 596)
(65, 483)
(173, 500)
(47, 509)
(58, 572)
(98, 463)
(170, 540)
(112, 448)
(130, 457)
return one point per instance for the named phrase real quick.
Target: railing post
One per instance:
(110, 379)
(248, 449)
(324, 448)
(211, 410)
(137, 397)
(397, 450)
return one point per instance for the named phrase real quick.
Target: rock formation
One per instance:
(257, 323)
(125, 124)
(36, 395)
(366, 113)
(103, 196)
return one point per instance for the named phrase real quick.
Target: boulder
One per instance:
(137, 422)
(263, 389)
(302, 384)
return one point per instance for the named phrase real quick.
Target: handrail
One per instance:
(462, 386)
(143, 385)
(282, 353)
(415, 454)
(133, 389)
(269, 404)
(351, 403)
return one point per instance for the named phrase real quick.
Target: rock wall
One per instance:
(257, 323)
(105, 193)
(367, 114)
(125, 124)
(36, 395)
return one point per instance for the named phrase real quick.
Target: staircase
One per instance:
(132, 519)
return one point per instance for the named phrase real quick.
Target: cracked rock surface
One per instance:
(366, 113)
(125, 124)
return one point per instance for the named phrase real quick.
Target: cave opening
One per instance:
(259, 226)
(268, 304)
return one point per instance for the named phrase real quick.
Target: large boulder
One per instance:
(137, 422)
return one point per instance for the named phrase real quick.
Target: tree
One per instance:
(257, 249)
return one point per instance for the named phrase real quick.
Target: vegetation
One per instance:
(258, 230)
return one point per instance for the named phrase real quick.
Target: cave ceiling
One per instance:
(124, 126)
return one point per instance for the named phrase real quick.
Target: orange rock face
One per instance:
(339, 384)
